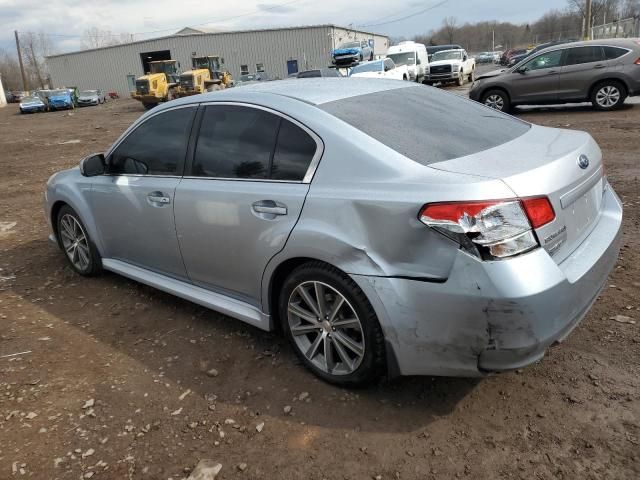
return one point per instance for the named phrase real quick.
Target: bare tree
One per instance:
(96, 38)
(449, 24)
(10, 71)
(35, 48)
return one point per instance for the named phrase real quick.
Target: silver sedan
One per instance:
(385, 227)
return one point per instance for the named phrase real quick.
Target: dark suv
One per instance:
(604, 72)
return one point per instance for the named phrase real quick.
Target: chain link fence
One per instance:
(629, 27)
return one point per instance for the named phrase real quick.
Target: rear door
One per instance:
(241, 195)
(581, 67)
(537, 80)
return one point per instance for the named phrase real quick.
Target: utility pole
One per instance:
(25, 84)
(588, 19)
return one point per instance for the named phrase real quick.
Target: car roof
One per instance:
(614, 42)
(314, 91)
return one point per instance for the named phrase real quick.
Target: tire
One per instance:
(460, 80)
(471, 76)
(371, 57)
(404, 77)
(359, 364)
(84, 258)
(497, 99)
(608, 95)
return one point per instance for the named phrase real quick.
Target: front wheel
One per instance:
(496, 99)
(331, 325)
(460, 80)
(471, 76)
(74, 240)
(608, 95)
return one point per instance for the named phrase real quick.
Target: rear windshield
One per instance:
(426, 124)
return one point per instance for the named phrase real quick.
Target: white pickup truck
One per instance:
(383, 68)
(448, 66)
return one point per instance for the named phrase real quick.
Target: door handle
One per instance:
(552, 72)
(269, 207)
(158, 198)
(599, 66)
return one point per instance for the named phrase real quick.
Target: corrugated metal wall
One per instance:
(107, 68)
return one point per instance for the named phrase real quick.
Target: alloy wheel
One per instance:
(494, 101)
(325, 327)
(75, 242)
(607, 96)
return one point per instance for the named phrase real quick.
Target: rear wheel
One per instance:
(608, 95)
(76, 244)
(331, 325)
(497, 99)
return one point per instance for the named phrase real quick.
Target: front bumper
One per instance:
(442, 77)
(346, 60)
(494, 316)
(87, 103)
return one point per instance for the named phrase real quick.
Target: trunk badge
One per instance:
(583, 161)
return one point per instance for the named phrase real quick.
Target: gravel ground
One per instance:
(123, 381)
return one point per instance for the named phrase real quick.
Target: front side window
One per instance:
(545, 60)
(578, 55)
(156, 147)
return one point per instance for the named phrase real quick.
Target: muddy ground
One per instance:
(114, 383)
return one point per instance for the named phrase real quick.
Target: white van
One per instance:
(413, 55)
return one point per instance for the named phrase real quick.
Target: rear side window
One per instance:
(426, 124)
(611, 53)
(235, 142)
(156, 147)
(250, 143)
(578, 55)
(294, 152)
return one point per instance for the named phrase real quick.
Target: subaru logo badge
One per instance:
(583, 161)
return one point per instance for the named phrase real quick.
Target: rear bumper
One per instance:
(494, 316)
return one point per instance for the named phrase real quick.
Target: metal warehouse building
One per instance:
(277, 52)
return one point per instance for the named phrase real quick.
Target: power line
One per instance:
(413, 14)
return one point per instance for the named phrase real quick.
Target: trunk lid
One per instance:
(547, 161)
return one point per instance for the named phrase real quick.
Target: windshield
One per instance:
(57, 92)
(406, 58)
(31, 99)
(446, 56)
(350, 45)
(367, 67)
(88, 93)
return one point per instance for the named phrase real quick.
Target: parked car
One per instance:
(603, 72)
(431, 49)
(59, 99)
(290, 205)
(506, 56)
(17, 96)
(31, 104)
(414, 56)
(319, 72)
(91, 97)
(515, 59)
(350, 53)
(448, 66)
(496, 56)
(383, 68)
(485, 57)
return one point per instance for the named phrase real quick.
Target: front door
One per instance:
(133, 203)
(241, 197)
(537, 80)
(581, 66)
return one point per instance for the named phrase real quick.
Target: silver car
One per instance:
(603, 72)
(461, 243)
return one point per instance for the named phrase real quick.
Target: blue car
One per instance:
(351, 53)
(60, 99)
(32, 104)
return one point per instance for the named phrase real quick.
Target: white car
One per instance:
(453, 65)
(383, 68)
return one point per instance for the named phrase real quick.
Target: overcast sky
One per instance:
(66, 20)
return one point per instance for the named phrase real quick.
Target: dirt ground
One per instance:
(113, 382)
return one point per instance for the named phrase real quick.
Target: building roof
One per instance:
(201, 32)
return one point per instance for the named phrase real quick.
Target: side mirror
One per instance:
(418, 62)
(522, 70)
(93, 165)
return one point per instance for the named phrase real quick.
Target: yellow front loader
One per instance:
(219, 78)
(192, 82)
(158, 85)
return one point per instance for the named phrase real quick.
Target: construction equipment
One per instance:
(192, 82)
(158, 85)
(219, 78)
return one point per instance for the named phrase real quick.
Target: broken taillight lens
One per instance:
(490, 229)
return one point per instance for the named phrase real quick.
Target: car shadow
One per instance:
(256, 369)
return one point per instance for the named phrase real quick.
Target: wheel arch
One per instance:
(599, 81)
(496, 87)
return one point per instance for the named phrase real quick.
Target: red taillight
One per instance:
(453, 211)
(637, 62)
(539, 211)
